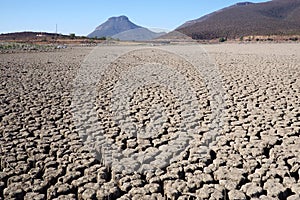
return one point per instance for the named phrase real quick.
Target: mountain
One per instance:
(205, 17)
(122, 28)
(138, 34)
(113, 26)
(277, 17)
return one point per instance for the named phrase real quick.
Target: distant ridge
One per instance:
(137, 34)
(174, 36)
(277, 17)
(29, 35)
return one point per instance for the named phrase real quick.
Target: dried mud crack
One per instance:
(149, 115)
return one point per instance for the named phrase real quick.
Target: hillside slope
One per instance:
(279, 17)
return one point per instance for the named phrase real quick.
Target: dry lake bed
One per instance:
(189, 121)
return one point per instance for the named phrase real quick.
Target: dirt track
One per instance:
(72, 133)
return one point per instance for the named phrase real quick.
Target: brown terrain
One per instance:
(134, 122)
(172, 118)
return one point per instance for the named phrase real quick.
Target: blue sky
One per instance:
(81, 17)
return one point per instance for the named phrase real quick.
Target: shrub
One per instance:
(223, 39)
(294, 39)
(72, 36)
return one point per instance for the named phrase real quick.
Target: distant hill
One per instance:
(28, 35)
(122, 28)
(113, 26)
(174, 36)
(137, 34)
(277, 17)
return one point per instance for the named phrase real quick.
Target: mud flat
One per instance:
(144, 122)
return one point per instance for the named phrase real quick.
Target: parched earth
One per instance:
(140, 122)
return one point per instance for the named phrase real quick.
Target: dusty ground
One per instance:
(134, 122)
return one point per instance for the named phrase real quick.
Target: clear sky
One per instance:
(81, 17)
